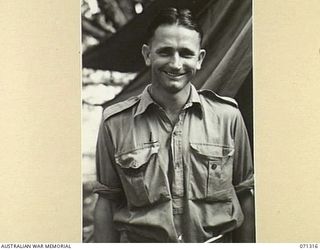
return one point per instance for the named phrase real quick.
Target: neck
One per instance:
(171, 102)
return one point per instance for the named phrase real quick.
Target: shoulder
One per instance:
(214, 105)
(120, 107)
(213, 97)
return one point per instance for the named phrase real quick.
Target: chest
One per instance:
(146, 147)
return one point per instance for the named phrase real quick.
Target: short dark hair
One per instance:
(169, 16)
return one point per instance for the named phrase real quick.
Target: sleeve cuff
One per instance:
(110, 193)
(246, 185)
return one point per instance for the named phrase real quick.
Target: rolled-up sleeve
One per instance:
(108, 183)
(242, 165)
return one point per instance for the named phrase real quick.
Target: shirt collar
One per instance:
(194, 98)
(146, 100)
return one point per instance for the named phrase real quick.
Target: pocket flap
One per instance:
(212, 151)
(137, 157)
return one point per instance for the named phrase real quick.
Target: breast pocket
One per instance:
(141, 175)
(211, 171)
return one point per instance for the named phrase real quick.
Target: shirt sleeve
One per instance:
(108, 182)
(242, 165)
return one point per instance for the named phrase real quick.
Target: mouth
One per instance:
(175, 74)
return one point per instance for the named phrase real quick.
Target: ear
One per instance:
(146, 54)
(202, 54)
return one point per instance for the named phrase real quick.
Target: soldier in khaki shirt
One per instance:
(172, 161)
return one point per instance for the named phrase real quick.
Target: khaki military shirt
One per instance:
(174, 182)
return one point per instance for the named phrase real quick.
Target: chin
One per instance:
(175, 86)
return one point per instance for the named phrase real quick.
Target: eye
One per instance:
(187, 55)
(164, 52)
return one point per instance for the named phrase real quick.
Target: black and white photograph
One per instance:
(167, 99)
(159, 121)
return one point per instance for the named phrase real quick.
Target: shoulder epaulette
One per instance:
(224, 99)
(119, 107)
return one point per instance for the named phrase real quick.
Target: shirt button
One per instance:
(213, 166)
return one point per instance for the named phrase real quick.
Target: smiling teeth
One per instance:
(173, 74)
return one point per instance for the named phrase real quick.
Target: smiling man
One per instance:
(171, 161)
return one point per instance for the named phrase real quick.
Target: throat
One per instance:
(173, 116)
(172, 103)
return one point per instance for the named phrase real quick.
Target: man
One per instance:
(171, 161)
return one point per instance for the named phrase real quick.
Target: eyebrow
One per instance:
(187, 51)
(182, 50)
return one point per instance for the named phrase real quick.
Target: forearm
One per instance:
(104, 230)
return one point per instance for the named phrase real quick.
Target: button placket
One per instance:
(178, 178)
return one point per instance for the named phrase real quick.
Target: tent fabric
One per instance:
(227, 28)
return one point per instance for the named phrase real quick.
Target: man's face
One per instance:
(174, 55)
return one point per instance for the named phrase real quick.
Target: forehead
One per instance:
(175, 35)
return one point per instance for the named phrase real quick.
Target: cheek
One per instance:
(155, 59)
(159, 63)
(191, 66)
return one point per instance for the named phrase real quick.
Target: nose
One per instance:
(175, 61)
